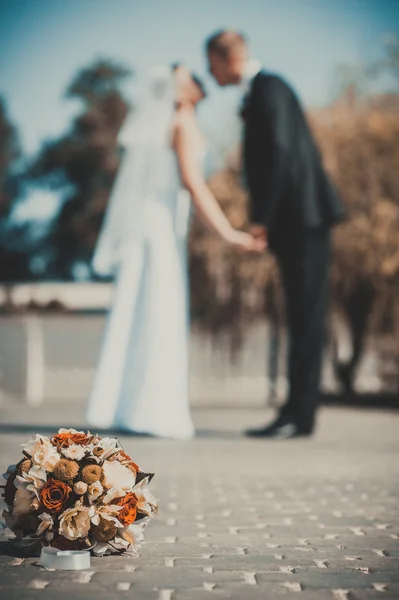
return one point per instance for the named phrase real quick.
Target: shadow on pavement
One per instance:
(19, 550)
(380, 400)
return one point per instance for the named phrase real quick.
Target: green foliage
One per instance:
(82, 164)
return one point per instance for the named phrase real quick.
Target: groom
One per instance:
(293, 206)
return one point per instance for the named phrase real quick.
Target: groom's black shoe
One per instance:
(282, 430)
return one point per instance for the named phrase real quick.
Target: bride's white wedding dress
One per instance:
(141, 383)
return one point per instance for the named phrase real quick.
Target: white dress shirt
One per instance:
(252, 68)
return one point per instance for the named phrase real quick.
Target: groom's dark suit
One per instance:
(292, 196)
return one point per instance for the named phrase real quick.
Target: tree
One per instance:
(14, 254)
(390, 62)
(361, 143)
(10, 152)
(82, 164)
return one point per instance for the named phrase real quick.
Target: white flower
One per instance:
(133, 534)
(42, 452)
(108, 512)
(80, 488)
(35, 443)
(74, 452)
(127, 540)
(106, 448)
(32, 481)
(102, 549)
(95, 490)
(118, 479)
(112, 494)
(75, 522)
(46, 457)
(146, 502)
(24, 502)
(46, 523)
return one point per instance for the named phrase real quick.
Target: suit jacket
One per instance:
(287, 182)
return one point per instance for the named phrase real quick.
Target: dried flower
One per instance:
(104, 531)
(75, 522)
(62, 493)
(46, 457)
(55, 495)
(80, 488)
(66, 437)
(92, 473)
(35, 444)
(24, 466)
(74, 452)
(133, 534)
(106, 448)
(128, 514)
(125, 460)
(118, 479)
(109, 512)
(24, 502)
(46, 522)
(66, 470)
(33, 480)
(146, 503)
(94, 491)
(42, 453)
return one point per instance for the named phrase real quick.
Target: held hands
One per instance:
(259, 232)
(248, 242)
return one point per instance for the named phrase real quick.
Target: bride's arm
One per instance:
(208, 209)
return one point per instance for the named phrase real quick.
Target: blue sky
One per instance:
(44, 42)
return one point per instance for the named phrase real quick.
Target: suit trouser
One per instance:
(304, 261)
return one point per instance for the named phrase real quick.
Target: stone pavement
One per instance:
(303, 519)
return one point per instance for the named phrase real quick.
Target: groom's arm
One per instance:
(273, 108)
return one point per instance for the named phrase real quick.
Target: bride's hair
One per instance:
(196, 80)
(199, 83)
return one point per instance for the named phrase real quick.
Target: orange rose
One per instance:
(127, 515)
(55, 495)
(67, 438)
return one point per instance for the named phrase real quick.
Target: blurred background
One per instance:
(70, 71)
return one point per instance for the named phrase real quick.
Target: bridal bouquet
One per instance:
(76, 491)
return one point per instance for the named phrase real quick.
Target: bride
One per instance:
(141, 383)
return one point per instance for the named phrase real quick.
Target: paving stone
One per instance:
(246, 519)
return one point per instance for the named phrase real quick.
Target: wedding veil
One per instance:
(145, 137)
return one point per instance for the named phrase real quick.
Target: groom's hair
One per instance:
(225, 42)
